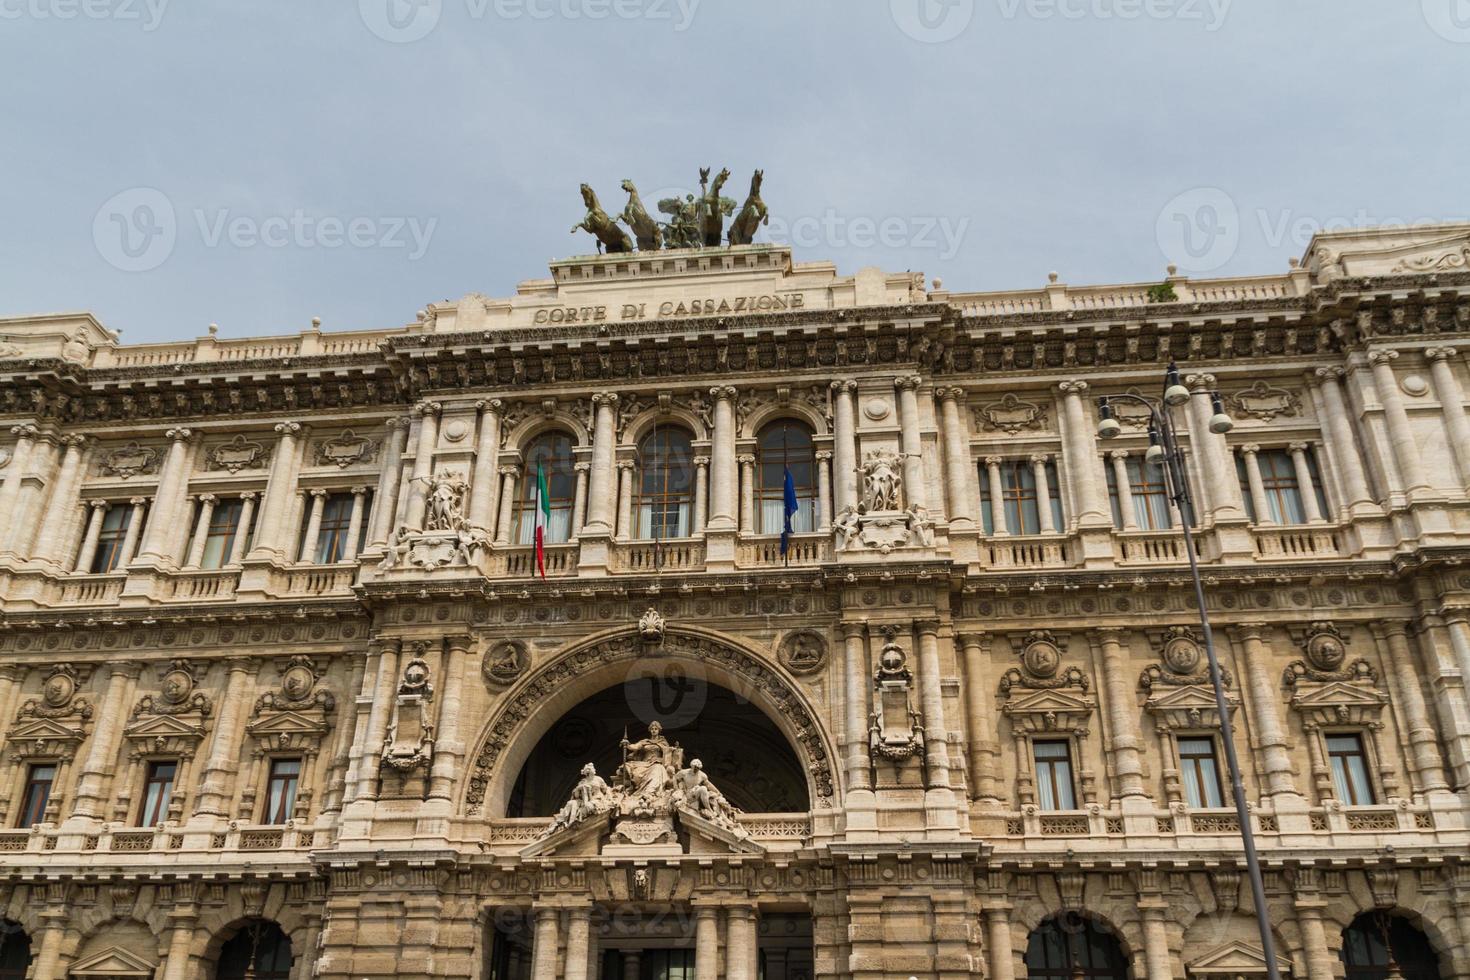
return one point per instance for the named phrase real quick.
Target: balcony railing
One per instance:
(678, 555)
(320, 579)
(1289, 543)
(1152, 548)
(561, 560)
(804, 550)
(1030, 551)
(196, 585)
(93, 590)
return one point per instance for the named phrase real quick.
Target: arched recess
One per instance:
(1074, 945)
(1385, 943)
(760, 416)
(538, 701)
(257, 948)
(522, 432)
(15, 951)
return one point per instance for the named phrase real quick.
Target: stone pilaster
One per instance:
(427, 414)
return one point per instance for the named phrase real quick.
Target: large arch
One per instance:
(539, 700)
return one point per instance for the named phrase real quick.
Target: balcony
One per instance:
(561, 562)
(1135, 548)
(764, 551)
(1296, 543)
(93, 590)
(317, 580)
(642, 557)
(197, 585)
(1030, 551)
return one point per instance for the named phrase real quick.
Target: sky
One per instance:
(169, 164)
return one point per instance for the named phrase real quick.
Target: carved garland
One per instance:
(529, 699)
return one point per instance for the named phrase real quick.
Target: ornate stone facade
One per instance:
(277, 653)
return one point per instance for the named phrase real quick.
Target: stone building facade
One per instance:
(284, 692)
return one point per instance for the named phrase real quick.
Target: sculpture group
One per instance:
(652, 784)
(694, 222)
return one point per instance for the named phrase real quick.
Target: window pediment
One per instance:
(115, 961)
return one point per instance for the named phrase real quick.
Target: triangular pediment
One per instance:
(583, 838)
(1050, 700)
(43, 728)
(1334, 693)
(707, 837)
(290, 722)
(164, 726)
(1234, 959)
(1188, 696)
(113, 962)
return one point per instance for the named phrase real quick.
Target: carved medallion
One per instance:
(1324, 648)
(129, 460)
(505, 662)
(1181, 653)
(804, 652)
(1265, 402)
(298, 679)
(1041, 657)
(346, 449)
(236, 455)
(1011, 415)
(416, 678)
(60, 686)
(893, 665)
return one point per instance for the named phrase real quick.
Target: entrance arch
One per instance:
(615, 657)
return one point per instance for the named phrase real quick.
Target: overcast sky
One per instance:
(172, 163)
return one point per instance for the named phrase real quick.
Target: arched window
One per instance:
(553, 452)
(1379, 945)
(260, 950)
(1071, 945)
(15, 951)
(786, 445)
(664, 494)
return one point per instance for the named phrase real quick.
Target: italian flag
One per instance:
(543, 517)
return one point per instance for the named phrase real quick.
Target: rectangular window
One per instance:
(224, 526)
(1279, 485)
(1200, 771)
(1054, 775)
(1019, 510)
(157, 790)
(280, 798)
(1350, 770)
(331, 542)
(1150, 495)
(110, 542)
(39, 779)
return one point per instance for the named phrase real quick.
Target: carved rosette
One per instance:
(759, 679)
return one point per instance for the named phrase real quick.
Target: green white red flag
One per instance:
(543, 517)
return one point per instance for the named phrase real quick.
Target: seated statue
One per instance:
(590, 797)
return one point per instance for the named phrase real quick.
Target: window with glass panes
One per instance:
(280, 790)
(1071, 947)
(664, 489)
(1054, 790)
(259, 951)
(1200, 771)
(786, 445)
(158, 787)
(1150, 495)
(39, 779)
(224, 527)
(1019, 508)
(1284, 504)
(331, 542)
(553, 451)
(110, 542)
(1349, 764)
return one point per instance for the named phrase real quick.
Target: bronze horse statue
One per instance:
(715, 207)
(650, 236)
(609, 236)
(752, 215)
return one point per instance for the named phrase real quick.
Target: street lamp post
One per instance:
(1164, 451)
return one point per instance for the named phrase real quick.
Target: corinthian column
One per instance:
(855, 701)
(1221, 485)
(1047, 523)
(601, 486)
(911, 440)
(959, 467)
(1251, 454)
(931, 697)
(1122, 708)
(980, 726)
(201, 530)
(824, 489)
(242, 530)
(747, 493)
(270, 534)
(20, 458)
(1396, 420)
(1262, 689)
(1452, 403)
(423, 463)
(722, 460)
(102, 752)
(170, 482)
(1344, 443)
(547, 940)
(215, 781)
(1305, 485)
(62, 501)
(97, 511)
(482, 483)
(1125, 489)
(1426, 768)
(385, 501)
(449, 747)
(579, 501)
(844, 443)
(1082, 458)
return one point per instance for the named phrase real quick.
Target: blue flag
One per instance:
(789, 505)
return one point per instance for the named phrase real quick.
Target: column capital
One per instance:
(398, 422)
(1329, 374)
(1299, 447)
(317, 492)
(722, 392)
(427, 408)
(1073, 388)
(972, 638)
(701, 461)
(207, 498)
(823, 455)
(179, 434)
(359, 491)
(585, 467)
(854, 631)
(1040, 458)
(1440, 353)
(288, 428)
(605, 398)
(994, 460)
(249, 495)
(1377, 357)
(927, 627)
(1248, 631)
(622, 464)
(746, 459)
(1118, 453)
(950, 393)
(26, 431)
(1199, 383)
(1250, 448)
(102, 505)
(1110, 633)
(139, 501)
(492, 406)
(908, 383)
(510, 470)
(843, 386)
(74, 441)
